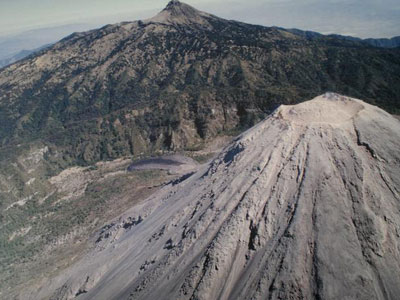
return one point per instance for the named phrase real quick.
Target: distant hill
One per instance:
(14, 45)
(381, 43)
(20, 55)
(384, 43)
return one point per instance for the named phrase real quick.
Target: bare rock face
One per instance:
(305, 205)
(177, 12)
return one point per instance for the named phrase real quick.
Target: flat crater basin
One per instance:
(174, 163)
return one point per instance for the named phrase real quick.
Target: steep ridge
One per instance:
(172, 81)
(305, 205)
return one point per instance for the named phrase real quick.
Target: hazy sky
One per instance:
(362, 18)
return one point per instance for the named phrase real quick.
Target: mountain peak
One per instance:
(177, 12)
(173, 3)
(177, 8)
(330, 109)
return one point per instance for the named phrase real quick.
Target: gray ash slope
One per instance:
(305, 205)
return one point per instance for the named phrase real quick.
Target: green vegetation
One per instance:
(35, 228)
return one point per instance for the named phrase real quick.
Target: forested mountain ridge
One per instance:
(173, 80)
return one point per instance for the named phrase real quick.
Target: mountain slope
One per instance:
(171, 81)
(305, 205)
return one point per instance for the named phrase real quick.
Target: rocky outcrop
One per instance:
(305, 205)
